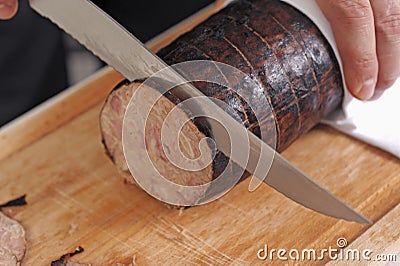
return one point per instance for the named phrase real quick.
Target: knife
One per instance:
(107, 39)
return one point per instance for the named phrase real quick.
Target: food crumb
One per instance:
(133, 263)
(21, 201)
(64, 260)
(72, 228)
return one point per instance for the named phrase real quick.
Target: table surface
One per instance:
(77, 198)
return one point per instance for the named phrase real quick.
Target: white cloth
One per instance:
(375, 122)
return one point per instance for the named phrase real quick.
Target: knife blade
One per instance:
(126, 54)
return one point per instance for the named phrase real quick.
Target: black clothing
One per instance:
(32, 55)
(32, 62)
(148, 18)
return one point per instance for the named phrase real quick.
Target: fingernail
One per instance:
(367, 90)
(377, 95)
(2, 5)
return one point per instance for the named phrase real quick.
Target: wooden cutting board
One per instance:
(76, 197)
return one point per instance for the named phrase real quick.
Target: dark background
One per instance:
(33, 55)
(147, 18)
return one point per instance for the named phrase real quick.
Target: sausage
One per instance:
(278, 47)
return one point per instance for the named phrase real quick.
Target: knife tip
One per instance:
(358, 218)
(364, 220)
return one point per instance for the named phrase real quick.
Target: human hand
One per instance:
(367, 33)
(8, 8)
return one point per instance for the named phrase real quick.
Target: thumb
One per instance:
(8, 8)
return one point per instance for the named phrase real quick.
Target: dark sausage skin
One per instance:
(282, 51)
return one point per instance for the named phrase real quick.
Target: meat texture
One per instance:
(278, 47)
(12, 241)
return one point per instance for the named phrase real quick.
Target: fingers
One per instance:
(8, 8)
(387, 29)
(352, 23)
(368, 38)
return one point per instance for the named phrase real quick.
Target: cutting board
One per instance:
(77, 198)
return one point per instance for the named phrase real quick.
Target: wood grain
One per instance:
(383, 239)
(76, 197)
(56, 111)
